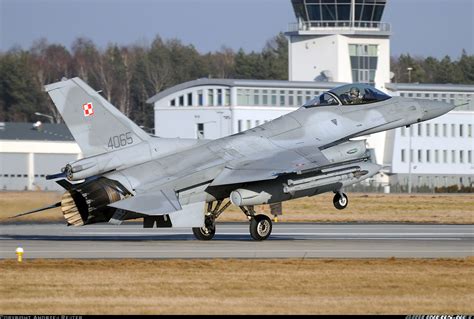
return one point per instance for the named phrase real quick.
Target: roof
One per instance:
(33, 132)
(429, 87)
(243, 83)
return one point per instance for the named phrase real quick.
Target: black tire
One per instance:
(260, 227)
(208, 231)
(340, 202)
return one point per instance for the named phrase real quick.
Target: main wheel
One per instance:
(260, 227)
(340, 201)
(208, 231)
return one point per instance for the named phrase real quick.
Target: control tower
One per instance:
(339, 41)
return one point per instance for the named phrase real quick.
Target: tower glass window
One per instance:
(363, 62)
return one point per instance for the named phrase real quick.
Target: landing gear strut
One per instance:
(209, 230)
(260, 225)
(340, 200)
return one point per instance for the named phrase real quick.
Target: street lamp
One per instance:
(409, 159)
(409, 69)
(51, 119)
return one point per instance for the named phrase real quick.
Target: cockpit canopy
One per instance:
(350, 94)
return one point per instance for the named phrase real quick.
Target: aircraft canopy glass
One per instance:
(358, 93)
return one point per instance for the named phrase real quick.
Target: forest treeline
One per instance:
(129, 75)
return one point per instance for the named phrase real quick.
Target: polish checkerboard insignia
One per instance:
(88, 109)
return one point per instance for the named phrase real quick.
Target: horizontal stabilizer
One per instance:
(153, 202)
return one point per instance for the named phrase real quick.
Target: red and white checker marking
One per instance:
(88, 109)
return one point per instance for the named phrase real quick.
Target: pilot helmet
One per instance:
(354, 91)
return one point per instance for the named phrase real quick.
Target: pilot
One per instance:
(354, 96)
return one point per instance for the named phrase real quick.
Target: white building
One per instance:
(212, 108)
(30, 152)
(441, 149)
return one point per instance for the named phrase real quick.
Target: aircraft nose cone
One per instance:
(432, 109)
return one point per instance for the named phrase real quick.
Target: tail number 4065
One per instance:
(121, 140)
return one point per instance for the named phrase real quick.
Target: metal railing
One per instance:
(339, 25)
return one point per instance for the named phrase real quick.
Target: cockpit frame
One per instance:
(349, 94)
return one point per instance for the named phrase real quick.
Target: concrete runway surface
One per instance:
(232, 240)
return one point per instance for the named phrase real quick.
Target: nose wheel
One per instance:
(340, 200)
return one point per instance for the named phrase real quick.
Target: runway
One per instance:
(232, 240)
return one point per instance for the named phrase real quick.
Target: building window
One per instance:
(453, 130)
(181, 100)
(227, 97)
(453, 156)
(427, 129)
(239, 125)
(219, 97)
(402, 131)
(249, 124)
(403, 156)
(445, 156)
(265, 97)
(173, 102)
(282, 98)
(461, 130)
(419, 129)
(363, 59)
(190, 99)
(420, 159)
(436, 156)
(210, 97)
(469, 157)
(461, 156)
(445, 130)
(256, 97)
(436, 131)
(274, 98)
(200, 130)
(469, 130)
(200, 98)
(428, 157)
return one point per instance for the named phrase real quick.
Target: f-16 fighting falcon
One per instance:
(128, 174)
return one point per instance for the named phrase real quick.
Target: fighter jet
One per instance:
(128, 174)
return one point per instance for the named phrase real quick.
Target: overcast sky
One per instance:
(420, 27)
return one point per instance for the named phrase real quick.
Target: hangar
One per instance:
(29, 152)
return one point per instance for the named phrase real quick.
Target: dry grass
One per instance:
(420, 208)
(389, 286)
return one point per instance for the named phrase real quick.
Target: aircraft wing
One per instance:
(270, 166)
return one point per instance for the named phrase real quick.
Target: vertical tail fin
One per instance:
(97, 126)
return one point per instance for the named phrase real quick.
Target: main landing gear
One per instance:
(340, 200)
(260, 225)
(209, 230)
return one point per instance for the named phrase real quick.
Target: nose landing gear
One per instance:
(340, 200)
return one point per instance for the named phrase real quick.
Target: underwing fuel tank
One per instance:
(289, 188)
